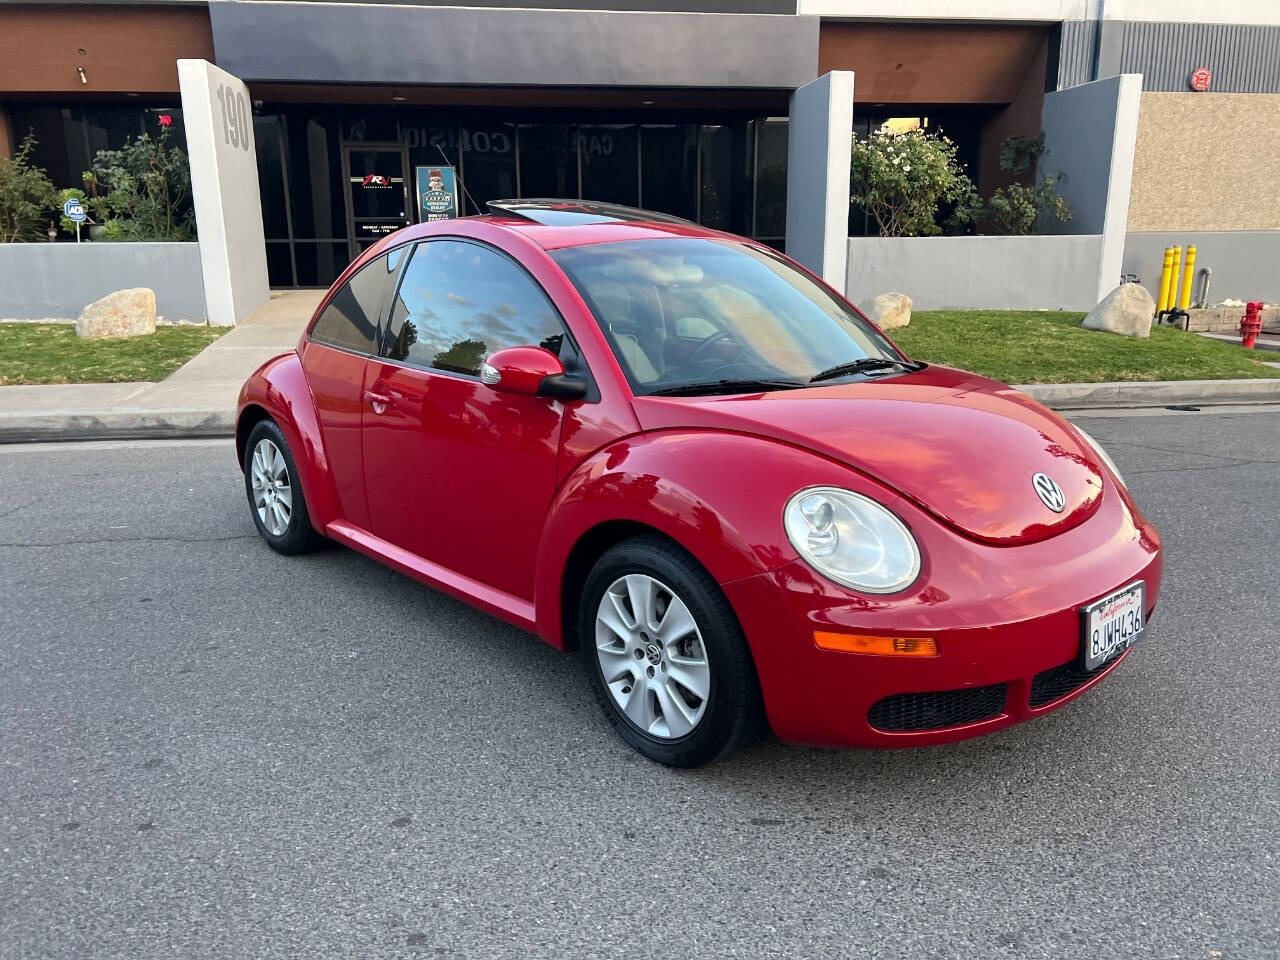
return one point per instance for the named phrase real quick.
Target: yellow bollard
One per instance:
(1173, 279)
(1188, 272)
(1166, 272)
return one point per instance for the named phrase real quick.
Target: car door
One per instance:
(455, 471)
(336, 357)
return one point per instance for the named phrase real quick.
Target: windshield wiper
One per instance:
(863, 365)
(724, 386)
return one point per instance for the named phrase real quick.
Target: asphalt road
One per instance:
(207, 750)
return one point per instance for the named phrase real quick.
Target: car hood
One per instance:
(960, 446)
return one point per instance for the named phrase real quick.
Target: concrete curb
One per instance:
(1156, 393)
(138, 424)
(116, 425)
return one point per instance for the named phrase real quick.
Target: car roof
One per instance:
(556, 223)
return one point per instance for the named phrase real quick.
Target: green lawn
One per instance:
(52, 353)
(1019, 346)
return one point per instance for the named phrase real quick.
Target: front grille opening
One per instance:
(933, 711)
(1055, 683)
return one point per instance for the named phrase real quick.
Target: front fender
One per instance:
(719, 495)
(279, 387)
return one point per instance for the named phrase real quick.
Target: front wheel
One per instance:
(275, 494)
(665, 655)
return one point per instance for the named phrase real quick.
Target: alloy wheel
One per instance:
(652, 657)
(272, 494)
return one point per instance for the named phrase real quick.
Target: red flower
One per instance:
(166, 119)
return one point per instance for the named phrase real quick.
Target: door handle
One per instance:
(379, 401)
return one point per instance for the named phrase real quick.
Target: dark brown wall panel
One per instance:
(126, 49)
(1021, 118)
(931, 63)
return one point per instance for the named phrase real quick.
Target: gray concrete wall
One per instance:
(57, 280)
(1091, 135)
(1080, 131)
(994, 273)
(819, 146)
(358, 43)
(1245, 263)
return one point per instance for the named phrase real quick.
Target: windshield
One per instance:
(686, 312)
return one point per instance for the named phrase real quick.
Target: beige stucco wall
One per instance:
(1207, 161)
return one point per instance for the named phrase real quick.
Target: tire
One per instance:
(613, 640)
(286, 527)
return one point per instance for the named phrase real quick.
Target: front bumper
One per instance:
(1006, 620)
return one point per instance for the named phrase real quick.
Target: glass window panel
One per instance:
(726, 182)
(270, 149)
(771, 178)
(315, 178)
(351, 318)
(548, 161)
(60, 148)
(459, 302)
(319, 264)
(488, 164)
(669, 169)
(279, 264)
(377, 185)
(610, 169)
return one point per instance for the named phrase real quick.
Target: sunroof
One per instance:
(565, 213)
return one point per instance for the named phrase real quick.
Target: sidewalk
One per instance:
(1267, 340)
(198, 399)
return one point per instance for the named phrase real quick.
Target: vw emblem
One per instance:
(1049, 492)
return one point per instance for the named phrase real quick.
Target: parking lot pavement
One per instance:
(212, 751)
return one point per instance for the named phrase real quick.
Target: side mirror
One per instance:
(531, 372)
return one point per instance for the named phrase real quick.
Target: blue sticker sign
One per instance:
(437, 193)
(74, 211)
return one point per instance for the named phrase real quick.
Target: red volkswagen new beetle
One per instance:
(682, 455)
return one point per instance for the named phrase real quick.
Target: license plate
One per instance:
(1112, 624)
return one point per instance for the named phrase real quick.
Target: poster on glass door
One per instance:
(437, 193)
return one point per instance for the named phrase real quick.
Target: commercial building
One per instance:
(685, 107)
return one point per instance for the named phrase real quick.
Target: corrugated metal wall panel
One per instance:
(1243, 58)
(1075, 52)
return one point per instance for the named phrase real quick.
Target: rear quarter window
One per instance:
(350, 320)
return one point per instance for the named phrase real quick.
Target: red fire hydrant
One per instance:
(1251, 324)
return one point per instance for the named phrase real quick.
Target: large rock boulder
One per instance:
(125, 313)
(888, 310)
(1128, 309)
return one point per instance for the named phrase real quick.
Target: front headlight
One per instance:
(1102, 455)
(852, 540)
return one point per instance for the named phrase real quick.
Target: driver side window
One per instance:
(459, 301)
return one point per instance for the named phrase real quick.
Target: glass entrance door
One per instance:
(376, 176)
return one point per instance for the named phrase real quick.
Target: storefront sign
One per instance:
(1201, 77)
(437, 193)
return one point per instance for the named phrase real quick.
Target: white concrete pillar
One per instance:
(819, 145)
(218, 115)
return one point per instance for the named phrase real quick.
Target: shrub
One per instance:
(1017, 208)
(902, 179)
(145, 189)
(26, 196)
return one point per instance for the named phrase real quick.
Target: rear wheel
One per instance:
(275, 495)
(665, 655)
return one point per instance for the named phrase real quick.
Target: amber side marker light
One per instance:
(877, 646)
